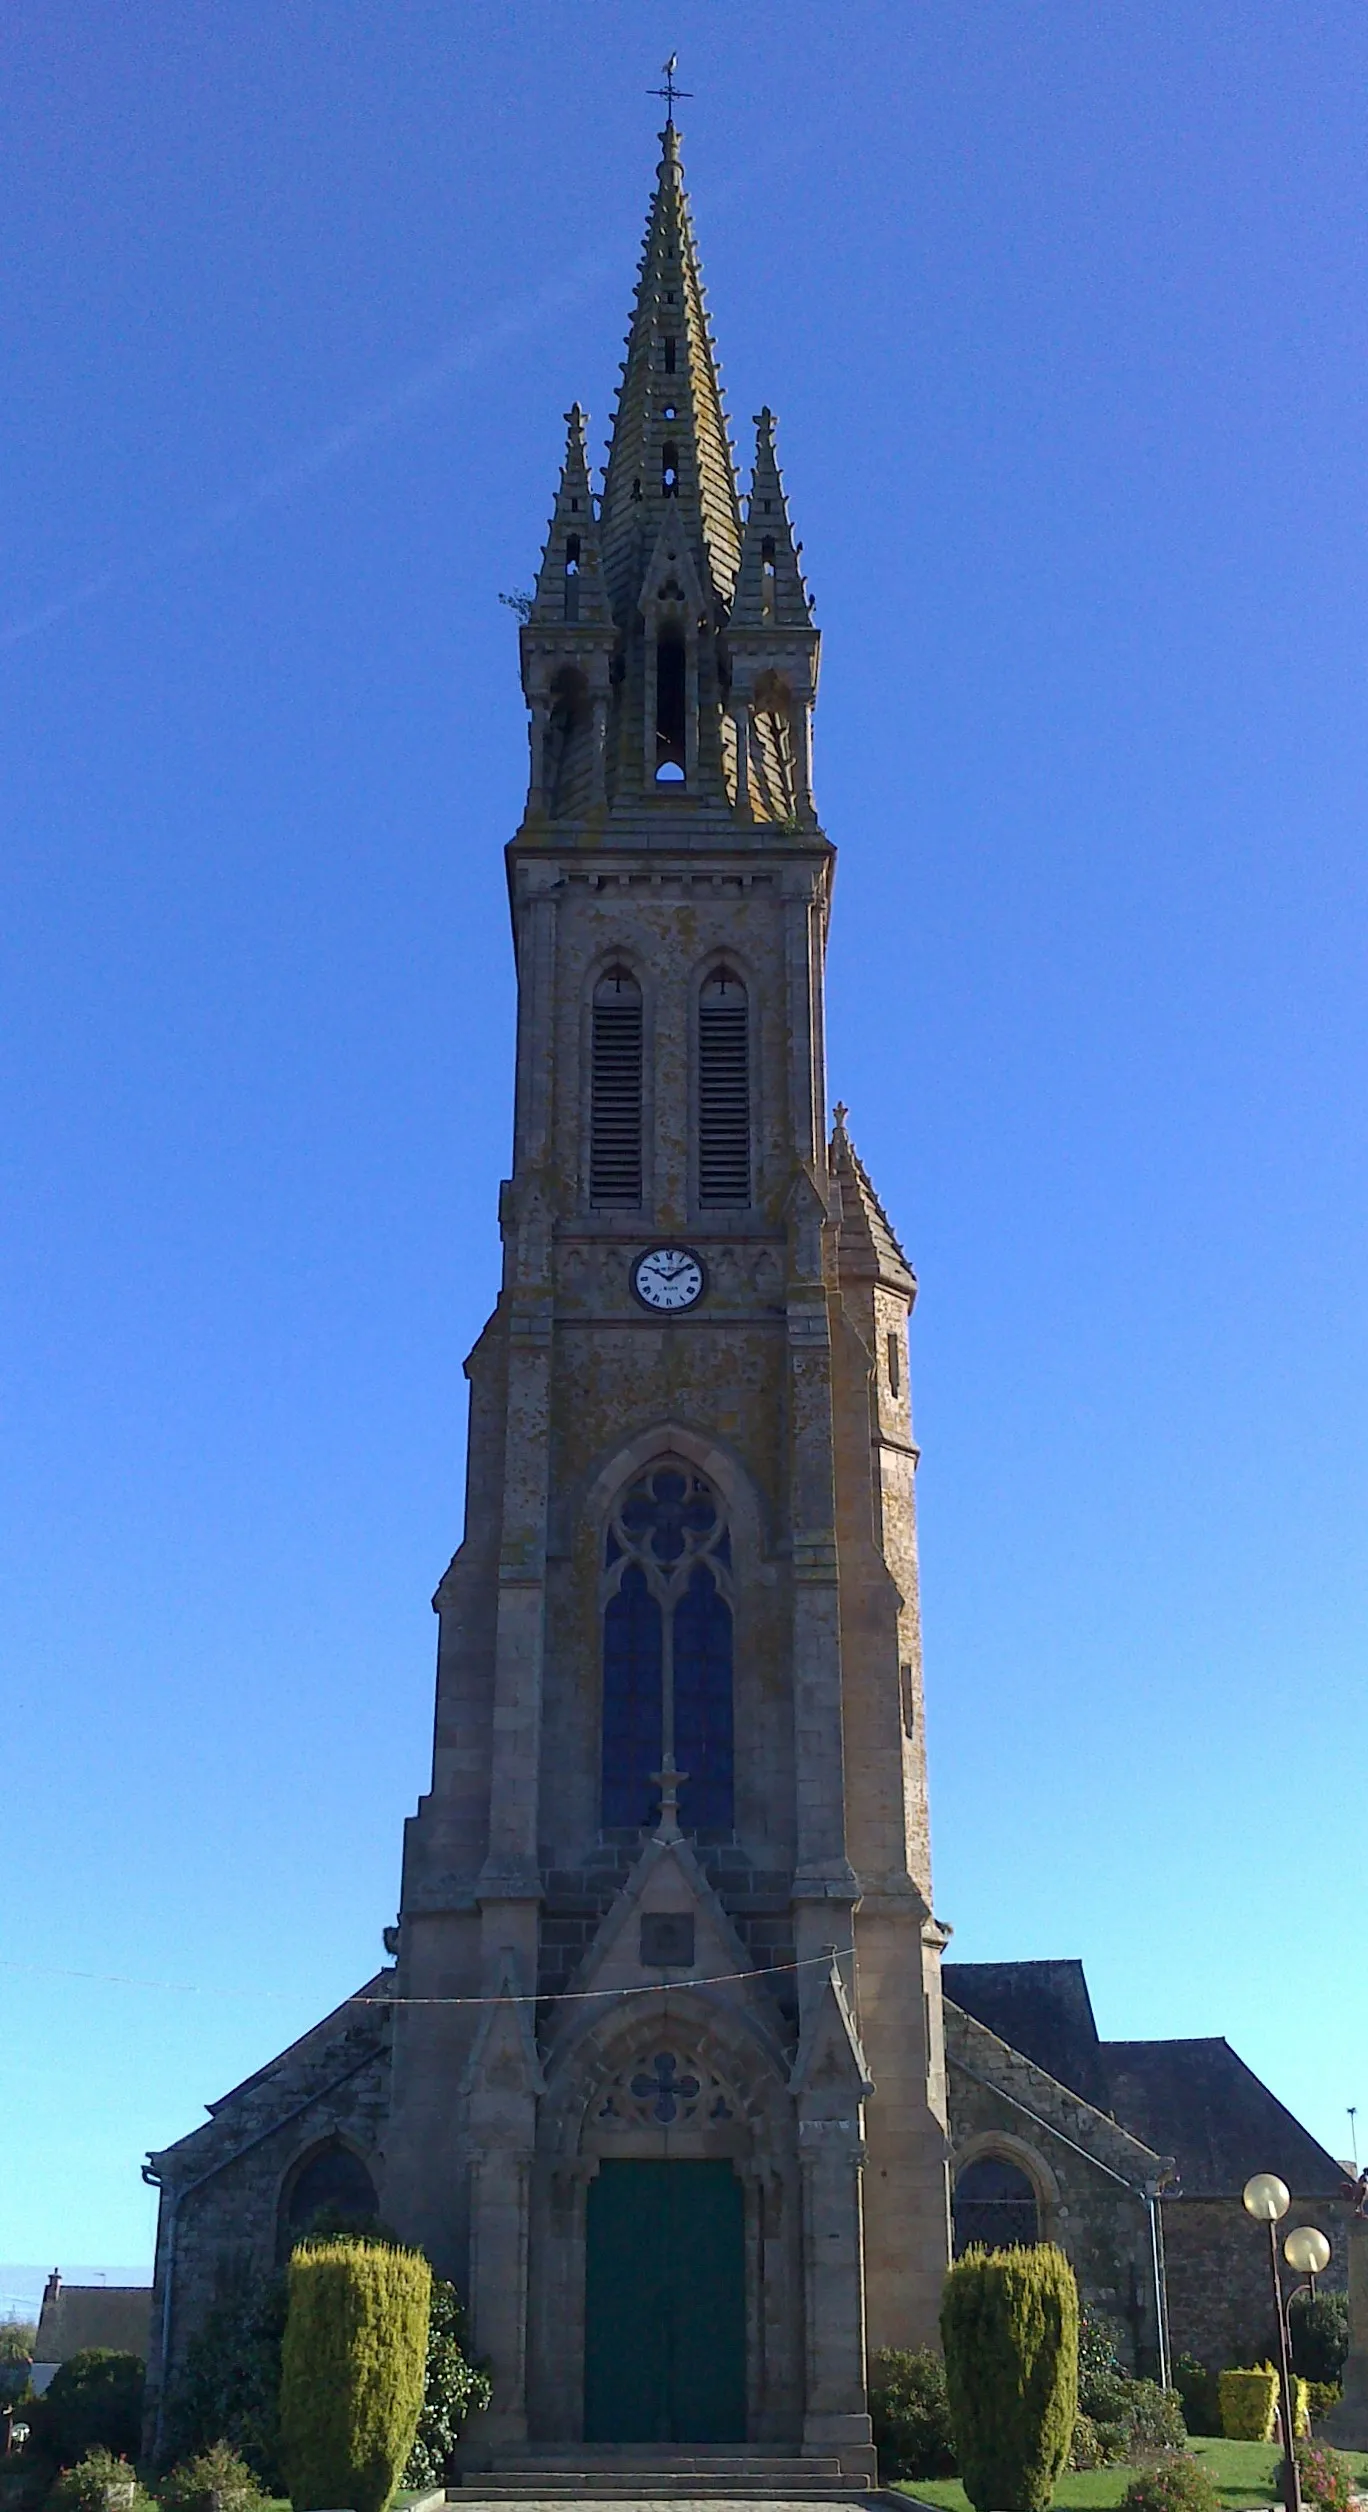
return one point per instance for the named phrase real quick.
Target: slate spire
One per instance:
(669, 450)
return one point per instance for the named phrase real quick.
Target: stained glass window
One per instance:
(703, 1703)
(994, 2203)
(667, 1651)
(632, 1740)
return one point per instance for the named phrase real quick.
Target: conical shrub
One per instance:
(1009, 2327)
(351, 2372)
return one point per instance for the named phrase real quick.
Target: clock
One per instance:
(668, 1279)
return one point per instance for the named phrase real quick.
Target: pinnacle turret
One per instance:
(570, 585)
(770, 591)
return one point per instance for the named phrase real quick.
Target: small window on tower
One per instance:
(572, 568)
(671, 708)
(615, 1091)
(669, 357)
(669, 471)
(723, 1090)
(894, 1361)
(767, 578)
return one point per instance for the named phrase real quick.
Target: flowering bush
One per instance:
(101, 2482)
(1177, 2483)
(215, 2472)
(1327, 2478)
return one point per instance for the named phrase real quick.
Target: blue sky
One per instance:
(1061, 309)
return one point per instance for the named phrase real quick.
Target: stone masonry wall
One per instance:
(1219, 2289)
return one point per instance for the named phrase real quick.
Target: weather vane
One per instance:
(669, 91)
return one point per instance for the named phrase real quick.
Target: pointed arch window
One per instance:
(994, 2203)
(615, 1090)
(331, 2182)
(724, 1117)
(667, 1652)
(572, 569)
(672, 705)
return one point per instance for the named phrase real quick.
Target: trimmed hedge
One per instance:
(1249, 2404)
(351, 2372)
(1009, 2325)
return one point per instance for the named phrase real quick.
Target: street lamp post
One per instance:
(1267, 2199)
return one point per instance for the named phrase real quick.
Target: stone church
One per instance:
(658, 2071)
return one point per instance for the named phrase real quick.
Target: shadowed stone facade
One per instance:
(668, 1899)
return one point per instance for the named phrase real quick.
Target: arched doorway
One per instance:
(665, 2231)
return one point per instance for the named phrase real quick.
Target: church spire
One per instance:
(670, 456)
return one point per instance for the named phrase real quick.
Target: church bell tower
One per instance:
(668, 2083)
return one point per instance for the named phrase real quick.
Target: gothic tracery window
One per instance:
(667, 1651)
(994, 2203)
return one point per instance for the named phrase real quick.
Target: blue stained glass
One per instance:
(632, 1730)
(703, 1704)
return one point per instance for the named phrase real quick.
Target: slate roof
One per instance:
(77, 2316)
(1043, 2009)
(867, 1244)
(1199, 2101)
(1195, 2100)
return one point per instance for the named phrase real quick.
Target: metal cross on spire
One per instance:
(669, 91)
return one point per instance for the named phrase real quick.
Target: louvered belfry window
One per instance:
(723, 1091)
(615, 1091)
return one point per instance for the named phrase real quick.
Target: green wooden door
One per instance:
(665, 2304)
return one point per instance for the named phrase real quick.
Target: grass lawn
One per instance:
(1243, 2471)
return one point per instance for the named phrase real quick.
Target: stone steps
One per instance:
(644, 2474)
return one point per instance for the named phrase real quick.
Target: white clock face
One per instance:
(668, 1278)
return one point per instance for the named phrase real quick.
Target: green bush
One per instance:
(92, 2403)
(351, 2372)
(1319, 2326)
(1086, 2449)
(1199, 2389)
(98, 2482)
(1321, 2397)
(16, 2341)
(1099, 2360)
(1327, 2478)
(453, 2390)
(1009, 2325)
(1176, 2484)
(218, 2471)
(911, 2410)
(228, 2389)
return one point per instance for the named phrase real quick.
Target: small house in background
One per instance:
(74, 2317)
